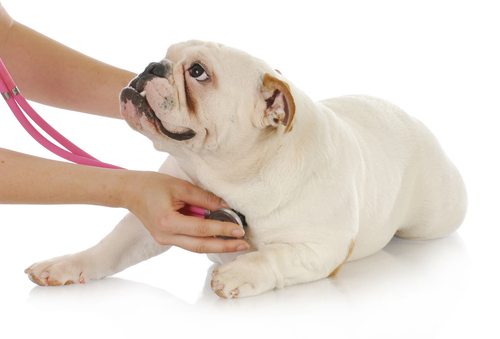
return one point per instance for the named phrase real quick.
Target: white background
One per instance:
(438, 60)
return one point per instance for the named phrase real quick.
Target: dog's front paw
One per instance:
(65, 270)
(240, 278)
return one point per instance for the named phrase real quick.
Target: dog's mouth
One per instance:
(135, 93)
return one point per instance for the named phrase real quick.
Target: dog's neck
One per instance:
(243, 177)
(232, 168)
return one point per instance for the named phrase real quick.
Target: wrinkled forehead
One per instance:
(215, 55)
(176, 53)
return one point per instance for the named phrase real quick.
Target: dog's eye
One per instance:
(198, 73)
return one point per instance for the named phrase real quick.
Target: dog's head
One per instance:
(206, 96)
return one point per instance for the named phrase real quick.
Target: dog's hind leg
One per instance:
(439, 197)
(128, 244)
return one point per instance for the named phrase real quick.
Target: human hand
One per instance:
(156, 199)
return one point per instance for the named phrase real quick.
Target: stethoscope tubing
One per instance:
(16, 102)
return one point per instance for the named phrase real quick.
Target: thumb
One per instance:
(196, 196)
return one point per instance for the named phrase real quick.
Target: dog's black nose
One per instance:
(155, 68)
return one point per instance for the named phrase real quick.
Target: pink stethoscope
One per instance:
(73, 153)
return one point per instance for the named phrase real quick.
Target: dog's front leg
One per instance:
(278, 265)
(128, 244)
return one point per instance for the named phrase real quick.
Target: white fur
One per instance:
(353, 170)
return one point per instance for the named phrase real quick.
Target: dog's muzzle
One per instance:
(135, 93)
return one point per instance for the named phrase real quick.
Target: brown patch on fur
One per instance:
(191, 103)
(36, 280)
(218, 292)
(351, 248)
(272, 84)
(54, 282)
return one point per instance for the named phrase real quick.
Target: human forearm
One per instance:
(26, 179)
(58, 75)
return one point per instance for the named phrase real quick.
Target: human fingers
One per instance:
(209, 245)
(179, 224)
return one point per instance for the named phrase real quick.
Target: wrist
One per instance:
(121, 192)
(128, 189)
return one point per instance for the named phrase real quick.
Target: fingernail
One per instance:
(223, 203)
(238, 233)
(242, 248)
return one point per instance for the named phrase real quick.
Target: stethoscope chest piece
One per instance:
(225, 214)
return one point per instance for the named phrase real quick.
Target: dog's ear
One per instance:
(279, 108)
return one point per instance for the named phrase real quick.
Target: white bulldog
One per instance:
(320, 183)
